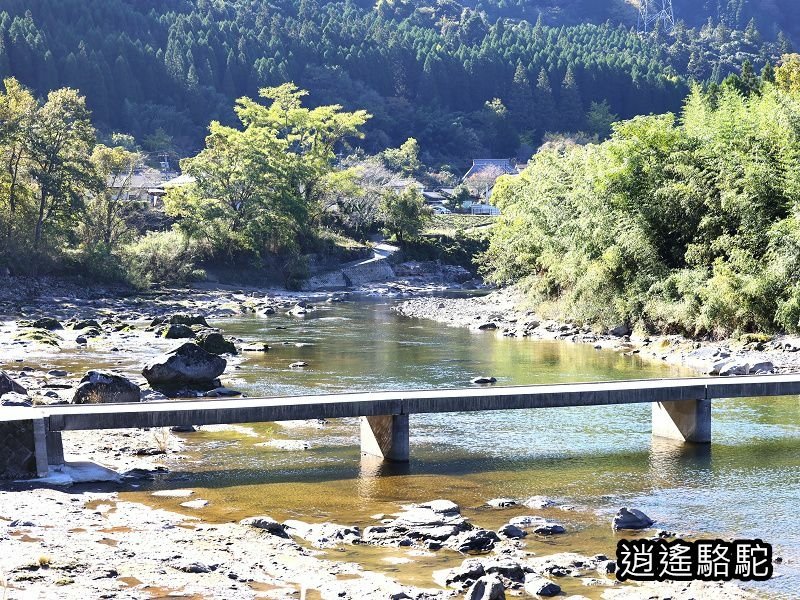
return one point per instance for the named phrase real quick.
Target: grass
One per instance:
(449, 224)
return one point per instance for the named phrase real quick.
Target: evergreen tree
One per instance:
(546, 117)
(571, 105)
(520, 102)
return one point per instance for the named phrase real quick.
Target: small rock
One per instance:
(488, 587)
(539, 502)
(298, 365)
(57, 373)
(199, 503)
(502, 502)
(631, 519)
(511, 531)
(540, 586)
(484, 380)
(549, 529)
(268, 524)
(189, 566)
(477, 540)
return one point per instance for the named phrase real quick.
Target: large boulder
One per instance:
(48, 323)
(178, 331)
(180, 320)
(631, 519)
(215, 343)
(102, 387)
(188, 364)
(8, 385)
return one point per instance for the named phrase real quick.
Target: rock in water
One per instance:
(179, 331)
(539, 586)
(188, 364)
(631, 519)
(488, 587)
(105, 387)
(268, 524)
(47, 323)
(511, 532)
(484, 380)
(215, 343)
(8, 385)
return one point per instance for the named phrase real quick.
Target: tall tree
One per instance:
(520, 103)
(570, 103)
(546, 117)
(61, 139)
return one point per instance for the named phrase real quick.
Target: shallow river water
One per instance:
(746, 484)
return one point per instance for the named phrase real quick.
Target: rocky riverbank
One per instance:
(499, 312)
(85, 541)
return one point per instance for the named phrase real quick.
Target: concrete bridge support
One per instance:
(684, 420)
(385, 436)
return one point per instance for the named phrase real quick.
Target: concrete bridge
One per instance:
(681, 410)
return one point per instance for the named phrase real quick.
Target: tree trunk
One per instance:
(37, 234)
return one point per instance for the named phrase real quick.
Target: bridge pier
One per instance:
(683, 420)
(385, 436)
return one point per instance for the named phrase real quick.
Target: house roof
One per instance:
(403, 183)
(179, 181)
(492, 167)
(140, 180)
(433, 196)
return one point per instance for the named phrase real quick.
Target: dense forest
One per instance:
(680, 224)
(464, 79)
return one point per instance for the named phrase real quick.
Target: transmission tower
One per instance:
(653, 11)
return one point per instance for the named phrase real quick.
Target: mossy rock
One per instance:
(86, 324)
(178, 331)
(48, 323)
(751, 338)
(215, 343)
(39, 336)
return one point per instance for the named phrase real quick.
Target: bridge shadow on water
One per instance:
(664, 460)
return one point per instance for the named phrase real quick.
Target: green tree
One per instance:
(572, 112)
(106, 210)
(405, 158)
(404, 214)
(599, 119)
(258, 190)
(546, 118)
(61, 140)
(17, 111)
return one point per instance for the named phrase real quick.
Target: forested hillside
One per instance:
(465, 79)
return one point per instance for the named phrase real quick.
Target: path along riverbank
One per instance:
(85, 542)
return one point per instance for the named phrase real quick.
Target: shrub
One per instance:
(160, 258)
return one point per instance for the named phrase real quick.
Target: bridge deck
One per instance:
(253, 410)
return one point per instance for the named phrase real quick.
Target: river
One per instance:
(595, 459)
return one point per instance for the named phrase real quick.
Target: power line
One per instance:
(652, 12)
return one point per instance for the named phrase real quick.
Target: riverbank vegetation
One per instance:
(265, 196)
(684, 224)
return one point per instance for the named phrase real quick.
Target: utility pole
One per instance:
(653, 11)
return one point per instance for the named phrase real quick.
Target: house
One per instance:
(401, 184)
(480, 180)
(136, 186)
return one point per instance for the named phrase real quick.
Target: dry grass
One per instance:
(161, 437)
